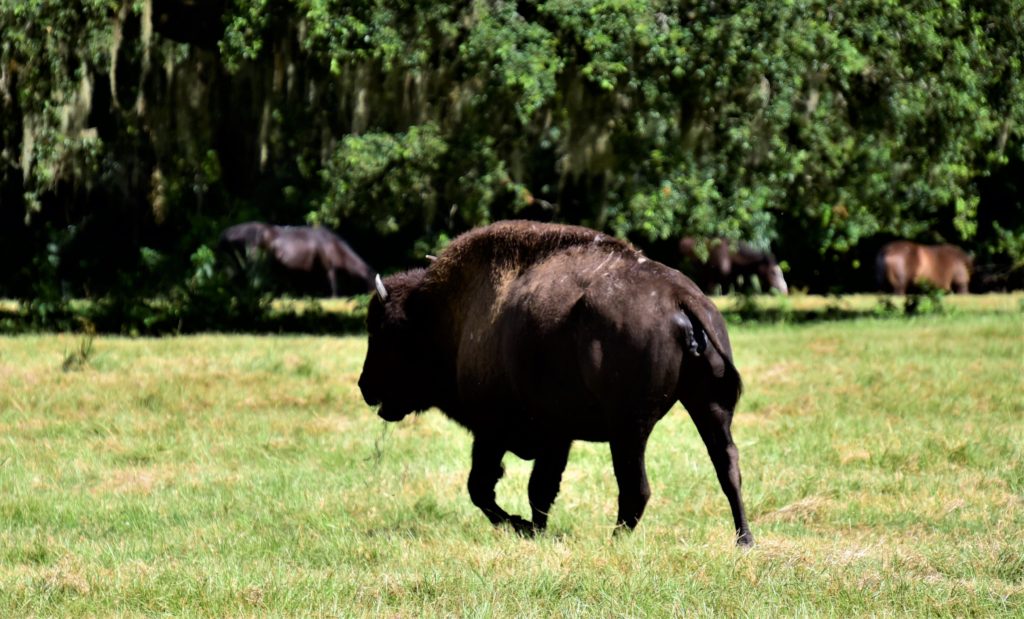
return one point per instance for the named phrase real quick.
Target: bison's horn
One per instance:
(382, 292)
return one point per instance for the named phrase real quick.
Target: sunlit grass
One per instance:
(237, 475)
(865, 303)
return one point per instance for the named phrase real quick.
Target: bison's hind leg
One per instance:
(546, 478)
(713, 422)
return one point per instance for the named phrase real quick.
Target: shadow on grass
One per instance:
(154, 318)
(339, 317)
(780, 315)
(749, 309)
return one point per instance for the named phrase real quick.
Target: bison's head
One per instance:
(397, 371)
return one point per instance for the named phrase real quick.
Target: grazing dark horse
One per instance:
(303, 256)
(533, 336)
(901, 264)
(727, 261)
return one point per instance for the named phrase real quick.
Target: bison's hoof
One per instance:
(521, 526)
(745, 540)
(621, 529)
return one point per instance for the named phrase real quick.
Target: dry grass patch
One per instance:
(142, 479)
(807, 510)
(69, 575)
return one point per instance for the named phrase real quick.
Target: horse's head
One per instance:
(766, 267)
(776, 280)
(770, 274)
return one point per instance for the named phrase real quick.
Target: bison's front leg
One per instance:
(483, 477)
(628, 449)
(546, 478)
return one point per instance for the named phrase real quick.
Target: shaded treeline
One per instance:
(132, 132)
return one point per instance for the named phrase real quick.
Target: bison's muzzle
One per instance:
(385, 412)
(388, 413)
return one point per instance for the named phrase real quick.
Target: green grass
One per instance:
(866, 303)
(883, 464)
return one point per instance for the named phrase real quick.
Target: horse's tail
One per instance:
(881, 268)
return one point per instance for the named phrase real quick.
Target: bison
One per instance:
(535, 335)
(727, 261)
(304, 258)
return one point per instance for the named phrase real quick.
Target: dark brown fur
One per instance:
(727, 261)
(901, 264)
(535, 335)
(304, 257)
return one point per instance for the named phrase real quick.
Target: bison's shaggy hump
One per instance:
(512, 245)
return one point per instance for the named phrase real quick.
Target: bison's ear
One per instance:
(382, 292)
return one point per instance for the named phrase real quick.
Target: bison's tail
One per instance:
(730, 386)
(704, 329)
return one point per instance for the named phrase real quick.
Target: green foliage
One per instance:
(927, 301)
(384, 178)
(48, 50)
(1010, 242)
(518, 58)
(244, 33)
(809, 124)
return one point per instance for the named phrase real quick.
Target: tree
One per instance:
(814, 126)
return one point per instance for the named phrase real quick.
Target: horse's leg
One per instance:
(546, 478)
(897, 275)
(483, 477)
(628, 449)
(722, 266)
(713, 423)
(332, 280)
(711, 283)
(962, 280)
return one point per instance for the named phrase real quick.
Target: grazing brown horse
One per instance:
(727, 261)
(900, 264)
(304, 258)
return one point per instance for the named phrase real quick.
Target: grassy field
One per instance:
(883, 463)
